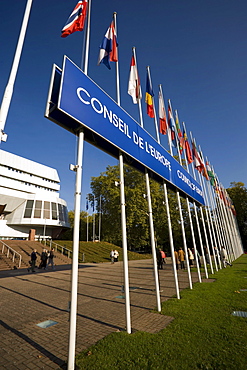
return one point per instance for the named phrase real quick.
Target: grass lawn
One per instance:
(97, 252)
(204, 334)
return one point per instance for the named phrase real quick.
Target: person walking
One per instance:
(176, 258)
(163, 256)
(112, 256)
(33, 257)
(116, 254)
(224, 257)
(159, 259)
(191, 257)
(50, 258)
(181, 256)
(44, 258)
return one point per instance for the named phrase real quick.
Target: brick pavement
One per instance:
(29, 299)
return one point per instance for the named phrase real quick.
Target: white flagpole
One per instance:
(123, 211)
(228, 231)
(180, 208)
(150, 215)
(87, 38)
(167, 211)
(198, 225)
(202, 217)
(10, 86)
(215, 225)
(166, 201)
(99, 218)
(190, 219)
(209, 216)
(94, 218)
(76, 239)
(74, 277)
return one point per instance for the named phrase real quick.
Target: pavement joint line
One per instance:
(42, 296)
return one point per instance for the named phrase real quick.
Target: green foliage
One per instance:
(137, 220)
(84, 218)
(204, 334)
(238, 194)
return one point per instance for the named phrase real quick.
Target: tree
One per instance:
(68, 234)
(137, 220)
(238, 195)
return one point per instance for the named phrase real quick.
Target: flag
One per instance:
(186, 147)
(179, 132)
(210, 174)
(76, 19)
(204, 170)
(108, 48)
(197, 160)
(171, 124)
(149, 97)
(134, 87)
(162, 115)
(87, 205)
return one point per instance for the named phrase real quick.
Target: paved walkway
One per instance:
(29, 299)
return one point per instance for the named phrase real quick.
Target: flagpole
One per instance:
(76, 232)
(167, 208)
(180, 211)
(150, 213)
(190, 219)
(215, 223)
(74, 272)
(202, 217)
(123, 211)
(99, 217)
(166, 200)
(87, 37)
(209, 216)
(198, 224)
(94, 218)
(10, 86)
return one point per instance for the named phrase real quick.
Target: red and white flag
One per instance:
(76, 19)
(162, 115)
(134, 86)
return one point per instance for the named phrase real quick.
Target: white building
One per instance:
(29, 199)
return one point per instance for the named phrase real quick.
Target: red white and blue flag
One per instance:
(171, 125)
(108, 48)
(76, 19)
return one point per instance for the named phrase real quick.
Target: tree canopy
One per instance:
(238, 194)
(137, 220)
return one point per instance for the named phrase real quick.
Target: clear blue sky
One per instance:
(196, 49)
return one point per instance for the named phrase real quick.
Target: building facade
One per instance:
(29, 199)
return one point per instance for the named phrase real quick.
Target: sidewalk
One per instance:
(30, 299)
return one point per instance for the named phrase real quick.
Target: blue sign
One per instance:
(82, 100)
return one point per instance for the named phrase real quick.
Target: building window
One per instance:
(60, 210)
(65, 212)
(38, 208)
(54, 210)
(47, 212)
(29, 208)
